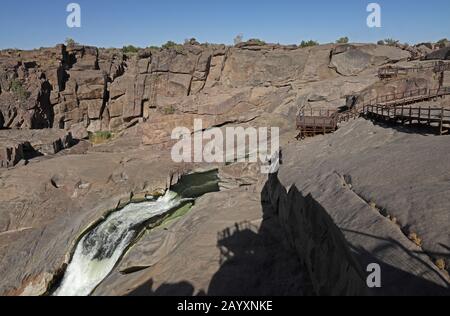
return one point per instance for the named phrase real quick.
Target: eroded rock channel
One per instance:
(102, 246)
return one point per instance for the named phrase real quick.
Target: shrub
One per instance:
(19, 91)
(238, 39)
(443, 42)
(256, 41)
(191, 41)
(381, 42)
(415, 239)
(169, 45)
(169, 110)
(309, 43)
(391, 42)
(343, 40)
(100, 137)
(440, 263)
(130, 49)
(70, 42)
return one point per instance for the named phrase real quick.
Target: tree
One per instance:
(169, 45)
(238, 39)
(130, 49)
(443, 42)
(343, 40)
(309, 43)
(70, 42)
(391, 41)
(256, 41)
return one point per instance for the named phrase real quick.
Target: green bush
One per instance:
(70, 42)
(309, 43)
(169, 45)
(391, 42)
(256, 41)
(343, 40)
(169, 110)
(443, 42)
(100, 137)
(19, 91)
(130, 49)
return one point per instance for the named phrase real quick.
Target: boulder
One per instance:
(441, 54)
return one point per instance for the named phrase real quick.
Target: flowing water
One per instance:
(98, 252)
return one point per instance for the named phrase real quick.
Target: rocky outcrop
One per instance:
(400, 226)
(350, 60)
(442, 54)
(84, 89)
(318, 242)
(22, 145)
(46, 204)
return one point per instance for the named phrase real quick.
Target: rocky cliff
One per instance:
(46, 204)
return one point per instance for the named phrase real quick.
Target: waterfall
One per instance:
(99, 250)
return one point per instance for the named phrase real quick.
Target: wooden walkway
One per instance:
(321, 121)
(408, 97)
(430, 116)
(390, 107)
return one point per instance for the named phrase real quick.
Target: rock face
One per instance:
(350, 60)
(442, 54)
(83, 89)
(401, 226)
(45, 205)
(17, 145)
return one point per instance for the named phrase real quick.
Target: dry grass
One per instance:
(100, 137)
(415, 239)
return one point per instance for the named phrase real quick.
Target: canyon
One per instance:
(368, 193)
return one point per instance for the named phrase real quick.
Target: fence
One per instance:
(420, 115)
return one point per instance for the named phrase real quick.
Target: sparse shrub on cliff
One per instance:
(309, 43)
(173, 45)
(100, 137)
(256, 41)
(443, 42)
(391, 42)
(238, 39)
(343, 40)
(70, 42)
(415, 239)
(169, 110)
(440, 263)
(130, 49)
(19, 91)
(191, 41)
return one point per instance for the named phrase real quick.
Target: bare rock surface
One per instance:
(387, 192)
(216, 249)
(17, 145)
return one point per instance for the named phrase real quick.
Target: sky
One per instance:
(27, 24)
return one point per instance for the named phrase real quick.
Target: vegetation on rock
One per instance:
(19, 90)
(343, 40)
(309, 43)
(100, 137)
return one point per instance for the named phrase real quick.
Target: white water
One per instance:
(99, 250)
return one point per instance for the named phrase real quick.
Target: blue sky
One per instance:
(29, 24)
